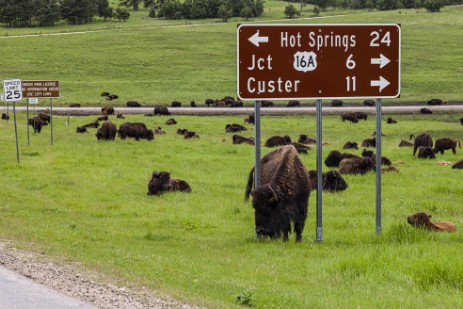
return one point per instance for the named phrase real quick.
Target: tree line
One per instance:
(44, 13)
(294, 10)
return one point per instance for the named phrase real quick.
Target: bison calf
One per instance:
(422, 220)
(445, 144)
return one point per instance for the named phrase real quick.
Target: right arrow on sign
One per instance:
(382, 61)
(381, 83)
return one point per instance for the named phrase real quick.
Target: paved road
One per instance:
(19, 292)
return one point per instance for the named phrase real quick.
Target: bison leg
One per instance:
(454, 150)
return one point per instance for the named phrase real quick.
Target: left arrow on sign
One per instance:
(256, 39)
(381, 83)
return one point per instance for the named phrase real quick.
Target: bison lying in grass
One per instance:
(331, 181)
(161, 182)
(356, 166)
(422, 220)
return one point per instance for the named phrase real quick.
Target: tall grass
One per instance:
(84, 200)
(156, 61)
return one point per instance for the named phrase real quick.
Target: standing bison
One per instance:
(161, 110)
(136, 130)
(421, 140)
(283, 196)
(445, 144)
(107, 131)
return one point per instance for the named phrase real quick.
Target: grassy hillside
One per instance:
(156, 61)
(85, 201)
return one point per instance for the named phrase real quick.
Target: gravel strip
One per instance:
(74, 281)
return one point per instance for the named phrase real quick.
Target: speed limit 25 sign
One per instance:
(295, 61)
(12, 90)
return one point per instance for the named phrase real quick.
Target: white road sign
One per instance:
(12, 90)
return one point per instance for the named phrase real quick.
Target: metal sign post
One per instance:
(12, 93)
(319, 232)
(378, 166)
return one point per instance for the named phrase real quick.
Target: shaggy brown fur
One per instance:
(404, 143)
(176, 184)
(421, 140)
(283, 195)
(458, 164)
(422, 220)
(238, 139)
(445, 144)
(356, 166)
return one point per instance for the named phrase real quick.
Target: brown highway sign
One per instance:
(40, 88)
(294, 61)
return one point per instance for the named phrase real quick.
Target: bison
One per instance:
(265, 103)
(404, 143)
(36, 123)
(283, 195)
(421, 140)
(423, 220)
(250, 119)
(176, 184)
(103, 118)
(74, 105)
(361, 115)
(276, 141)
(107, 131)
(445, 144)
(171, 121)
(425, 110)
(293, 103)
(305, 139)
(209, 102)
(190, 134)
(436, 102)
(159, 183)
(368, 103)
(301, 148)
(238, 139)
(175, 104)
(45, 118)
(120, 116)
(136, 130)
(356, 165)
(5, 116)
(234, 127)
(425, 152)
(331, 181)
(391, 120)
(350, 145)
(352, 117)
(81, 130)
(458, 164)
(104, 94)
(161, 110)
(158, 130)
(461, 120)
(337, 103)
(133, 104)
(335, 157)
(112, 97)
(371, 154)
(94, 124)
(107, 110)
(193, 104)
(369, 142)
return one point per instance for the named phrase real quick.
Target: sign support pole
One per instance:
(257, 145)
(16, 131)
(51, 121)
(378, 166)
(27, 122)
(319, 232)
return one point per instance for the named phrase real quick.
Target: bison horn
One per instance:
(274, 194)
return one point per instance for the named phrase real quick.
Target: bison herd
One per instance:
(281, 199)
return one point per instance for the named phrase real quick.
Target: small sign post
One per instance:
(42, 89)
(12, 93)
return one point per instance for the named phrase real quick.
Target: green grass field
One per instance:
(84, 200)
(156, 62)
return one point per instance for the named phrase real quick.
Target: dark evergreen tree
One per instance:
(47, 12)
(78, 11)
(130, 3)
(104, 10)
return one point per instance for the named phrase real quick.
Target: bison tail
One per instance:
(249, 184)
